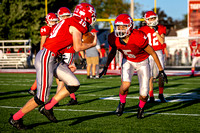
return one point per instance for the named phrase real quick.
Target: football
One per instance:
(88, 37)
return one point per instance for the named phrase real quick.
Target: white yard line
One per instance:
(100, 111)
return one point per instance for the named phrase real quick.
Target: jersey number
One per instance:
(56, 29)
(155, 39)
(82, 22)
(128, 53)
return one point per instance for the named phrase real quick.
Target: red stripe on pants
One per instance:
(44, 75)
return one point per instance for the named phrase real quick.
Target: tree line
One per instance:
(23, 19)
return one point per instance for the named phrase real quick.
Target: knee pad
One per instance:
(161, 82)
(144, 99)
(38, 101)
(72, 89)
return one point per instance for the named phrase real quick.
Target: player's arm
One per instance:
(77, 40)
(43, 39)
(150, 51)
(161, 38)
(111, 55)
(162, 74)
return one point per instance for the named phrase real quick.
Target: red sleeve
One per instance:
(111, 40)
(45, 31)
(79, 24)
(162, 29)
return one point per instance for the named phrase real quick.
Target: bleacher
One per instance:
(14, 60)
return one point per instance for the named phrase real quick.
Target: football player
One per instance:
(156, 35)
(195, 50)
(51, 20)
(133, 44)
(64, 13)
(66, 34)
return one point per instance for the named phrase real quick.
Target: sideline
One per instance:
(109, 72)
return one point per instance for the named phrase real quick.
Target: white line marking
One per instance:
(100, 111)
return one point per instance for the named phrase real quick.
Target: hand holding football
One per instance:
(88, 37)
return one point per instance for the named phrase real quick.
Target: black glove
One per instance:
(103, 72)
(162, 75)
(155, 28)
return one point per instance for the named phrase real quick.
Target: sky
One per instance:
(173, 8)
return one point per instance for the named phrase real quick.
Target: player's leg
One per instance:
(95, 62)
(89, 64)
(160, 80)
(32, 90)
(151, 94)
(143, 78)
(42, 69)
(72, 85)
(194, 62)
(60, 85)
(126, 77)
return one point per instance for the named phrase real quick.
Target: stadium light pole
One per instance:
(46, 7)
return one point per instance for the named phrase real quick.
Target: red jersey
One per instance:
(60, 38)
(45, 31)
(133, 50)
(153, 40)
(195, 49)
(69, 50)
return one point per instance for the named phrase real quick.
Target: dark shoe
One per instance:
(120, 109)
(17, 123)
(140, 113)
(162, 99)
(93, 77)
(151, 100)
(72, 102)
(192, 75)
(32, 92)
(48, 113)
(56, 105)
(88, 77)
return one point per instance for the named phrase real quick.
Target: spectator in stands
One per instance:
(8, 50)
(176, 57)
(29, 58)
(179, 57)
(186, 57)
(20, 50)
(1, 53)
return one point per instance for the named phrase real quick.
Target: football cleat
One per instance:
(32, 92)
(72, 102)
(140, 113)
(48, 113)
(162, 99)
(151, 100)
(192, 75)
(120, 109)
(17, 123)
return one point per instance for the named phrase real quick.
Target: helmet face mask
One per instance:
(149, 18)
(123, 25)
(122, 30)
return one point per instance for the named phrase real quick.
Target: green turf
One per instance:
(93, 114)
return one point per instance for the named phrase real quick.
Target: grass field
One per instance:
(98, 99)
